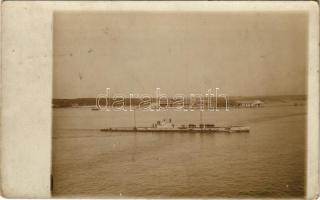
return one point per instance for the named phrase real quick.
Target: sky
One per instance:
(243, 54)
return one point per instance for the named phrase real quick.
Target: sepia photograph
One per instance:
(159, 99)
(179, 104)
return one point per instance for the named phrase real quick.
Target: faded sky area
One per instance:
(244, 54)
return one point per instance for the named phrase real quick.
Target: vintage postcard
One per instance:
(161, 99)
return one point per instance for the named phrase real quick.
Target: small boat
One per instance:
(168, 126)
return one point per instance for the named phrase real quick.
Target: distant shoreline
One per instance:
(233, 101)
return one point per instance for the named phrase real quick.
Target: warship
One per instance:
(166, 125)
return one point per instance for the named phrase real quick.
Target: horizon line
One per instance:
(249, 96)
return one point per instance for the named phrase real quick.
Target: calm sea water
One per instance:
(267, 162)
